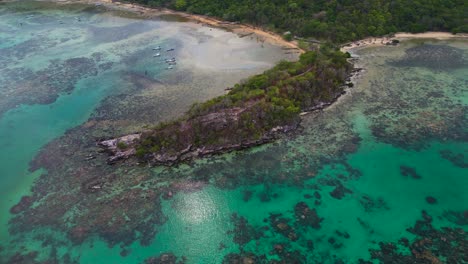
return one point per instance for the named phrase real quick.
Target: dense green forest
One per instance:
(249, 113)
(333, 20)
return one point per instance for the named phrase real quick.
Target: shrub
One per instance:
(121, 145)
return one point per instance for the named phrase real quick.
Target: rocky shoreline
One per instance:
(188, 154)
(124, 147)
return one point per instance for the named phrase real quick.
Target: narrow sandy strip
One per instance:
(242, 30)
(382, 41)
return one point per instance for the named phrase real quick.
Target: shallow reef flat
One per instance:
(377, 177)
(68, 69)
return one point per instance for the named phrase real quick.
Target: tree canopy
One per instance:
(333, 20)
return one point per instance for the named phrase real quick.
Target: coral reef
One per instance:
(409, 172)
(306, 216)
(438, 57)
(165, 258)
(431, 246)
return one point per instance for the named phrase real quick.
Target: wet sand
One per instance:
(242, 30)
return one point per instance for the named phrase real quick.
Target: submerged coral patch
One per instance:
(431, 245)
(407, 171)
(438, 57)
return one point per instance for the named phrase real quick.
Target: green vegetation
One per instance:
(180, 4)
(253, 108)
(336, 20)
(121, 145)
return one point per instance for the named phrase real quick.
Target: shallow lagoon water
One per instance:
(366, 165)
(59, 62)
(380, 203)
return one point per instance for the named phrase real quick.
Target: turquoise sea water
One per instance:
(59, 62)
(368, 166)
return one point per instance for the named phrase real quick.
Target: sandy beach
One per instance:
(243, 30)
(382, 41)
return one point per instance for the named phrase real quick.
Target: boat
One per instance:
(157, 48)
(170, 68)
(171, 49)
(157, 55)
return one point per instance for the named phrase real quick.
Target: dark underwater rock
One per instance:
(281, 226)
(243, 232)
(243, 258)
(340, 191)
(317, 195)
(431, 200)
(24, 203)
(431, 246)
(20, 258)
(343, 234)
(457, 217)
(246, 195)
(439, 57)
(165, 258)
(125, 252)
(456, 159)
(306, 216)
(372, 204)
(408, 171)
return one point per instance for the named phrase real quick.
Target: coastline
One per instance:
(191, 152)
(235, 125)
(240, 29)
(382, 41)
(360, 70)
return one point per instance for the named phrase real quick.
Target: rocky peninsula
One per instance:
(252, 113)
(258, 111)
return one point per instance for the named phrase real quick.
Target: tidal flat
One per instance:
(378, 177)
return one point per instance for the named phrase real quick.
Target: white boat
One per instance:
(157, 48)
(157, 55)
